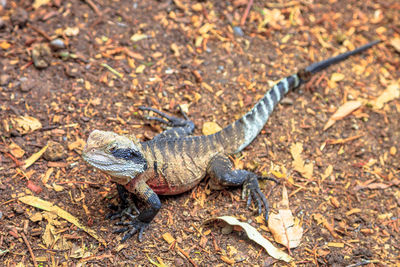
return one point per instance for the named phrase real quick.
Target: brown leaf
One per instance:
(343, 111)
(306, 170)
(282, 224)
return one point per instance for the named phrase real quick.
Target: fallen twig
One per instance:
(246, 12)
(29, 248)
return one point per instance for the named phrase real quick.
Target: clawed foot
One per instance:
(252, 191)
(121, 211)
(133, 227)
(167, 119)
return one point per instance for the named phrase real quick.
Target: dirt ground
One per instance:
(75, 66)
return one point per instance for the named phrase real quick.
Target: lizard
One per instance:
(175, 161)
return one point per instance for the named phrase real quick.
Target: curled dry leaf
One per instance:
(343, 111)
(306, 170)
(254, 235)
(32, 159)
(16, 150)
(282, 224)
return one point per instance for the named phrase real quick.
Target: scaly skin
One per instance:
(174, 162)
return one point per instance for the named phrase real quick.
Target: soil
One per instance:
(77, 66)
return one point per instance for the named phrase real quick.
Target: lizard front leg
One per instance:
(180, 127)
(220, 170)
(126, 205)
(140, 222)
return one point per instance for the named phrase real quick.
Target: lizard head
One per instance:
(116, 155)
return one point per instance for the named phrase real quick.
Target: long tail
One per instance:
(242, 132)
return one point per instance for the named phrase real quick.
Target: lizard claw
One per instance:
(121, 210)
(133, 227)
(252, 191)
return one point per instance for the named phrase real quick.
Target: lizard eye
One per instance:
(111, 148)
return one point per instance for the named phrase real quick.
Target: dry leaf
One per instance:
(254, 235)
(337, 77)
(71, 31)
(343, 111)
(395, 42)
(39, 3)
(138, 36)
(140, 69)
(168, 237)
(390, 93)
(306, 170)
(25, 124)
(79, 143)
(210, 128)
(16, 150)
(282, 224)
(48, 206)
(4, 45)
(32, 159)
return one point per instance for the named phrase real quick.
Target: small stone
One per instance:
(4, 79)
(26, 84)
(57, 44)
(1, 215)
(41, 55)
(227, 229)
(238, 31)
(54, 152)
(19, 17)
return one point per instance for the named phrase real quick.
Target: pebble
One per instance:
(57, 44)
(26, 84)
(1, 215)
(3, 3)
(19, 17)
(54, 152)
(41, 55)
(238, 31)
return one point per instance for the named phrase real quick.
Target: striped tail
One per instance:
(236, 136)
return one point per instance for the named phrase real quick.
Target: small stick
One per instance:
(93, 6)
(246, 12)
(186, 255)
(41, 32)
(29, 248)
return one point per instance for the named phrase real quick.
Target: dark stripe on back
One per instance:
(291, 82)
(274, 97)
(281, 88)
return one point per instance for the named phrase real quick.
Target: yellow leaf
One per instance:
(343, 111)
(168, 237)
(79, 143)
(39, 3)
(32, 159)
(5, 45)
(48, 206)
(138, 36)
(210, 128)
(336, 77)
(140, 69)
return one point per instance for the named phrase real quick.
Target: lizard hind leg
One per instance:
(222, 174)
(178, 127)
